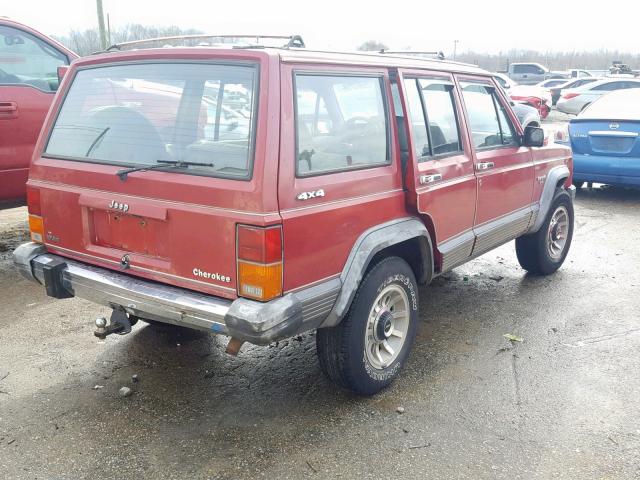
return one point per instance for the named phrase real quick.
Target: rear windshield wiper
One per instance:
(122, 174)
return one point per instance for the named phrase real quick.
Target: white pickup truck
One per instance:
(532, 73)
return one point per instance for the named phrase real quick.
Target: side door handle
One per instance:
(8, 109)
(484, 166)
(425, 179)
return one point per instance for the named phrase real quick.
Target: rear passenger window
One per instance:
(431, 103)
(489, 124)
(441, 114)
(418, 123)
(341, 123)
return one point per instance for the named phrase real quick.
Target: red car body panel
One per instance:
(178, 223)
(22, 112)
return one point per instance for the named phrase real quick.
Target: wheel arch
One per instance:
(556, 178)
(407, 238)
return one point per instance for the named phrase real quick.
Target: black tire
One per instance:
(341, 349)
(533, 250)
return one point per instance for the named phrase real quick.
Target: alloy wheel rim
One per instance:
(558, 232)
(387, 327)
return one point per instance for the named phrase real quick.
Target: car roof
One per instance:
(376, 59)
(617, 105)
(606, 80)
(292, 55)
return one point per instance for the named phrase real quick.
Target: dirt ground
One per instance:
(564, 403)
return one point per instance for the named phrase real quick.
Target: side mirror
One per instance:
(533, 137)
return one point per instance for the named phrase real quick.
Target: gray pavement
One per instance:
(561, 404)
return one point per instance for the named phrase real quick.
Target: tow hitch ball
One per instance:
(119, 323)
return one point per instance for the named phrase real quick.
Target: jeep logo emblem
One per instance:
(123, 207)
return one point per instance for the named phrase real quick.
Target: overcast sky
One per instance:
(479, 25)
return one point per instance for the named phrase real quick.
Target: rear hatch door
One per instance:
(199, 125)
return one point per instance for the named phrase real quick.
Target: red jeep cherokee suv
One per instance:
(29, 63)
(264, 192)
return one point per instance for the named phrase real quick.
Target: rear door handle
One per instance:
(8, 110)
(8, 107)
(484, 165)
(425, 179)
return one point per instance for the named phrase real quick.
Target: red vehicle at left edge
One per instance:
(29, 64)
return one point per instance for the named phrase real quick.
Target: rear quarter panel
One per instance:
(320, 232)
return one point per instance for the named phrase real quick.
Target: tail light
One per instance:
(36, 224)
(569, 96)
(259, 259)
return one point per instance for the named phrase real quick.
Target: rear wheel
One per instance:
(367, 350)
(544, 251)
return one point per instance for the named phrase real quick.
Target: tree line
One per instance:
(86, 42)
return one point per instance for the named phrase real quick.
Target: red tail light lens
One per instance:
(261, 245)
(569, 96)
(33, 200)
(259, 260)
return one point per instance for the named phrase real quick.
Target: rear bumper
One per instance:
(606, 169)
(247, 320)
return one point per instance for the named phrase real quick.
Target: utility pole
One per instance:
(455, 49)
(103, 32)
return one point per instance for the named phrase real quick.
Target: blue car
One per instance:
(605, 140)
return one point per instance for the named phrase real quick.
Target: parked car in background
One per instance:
(411, 167)
(504, 81)
(556, 92)
(532, 73)
(527, 115)
(29, 64)
(552, 82)
(577, 73)
(605, 139)
(534, 96)
(575, 100)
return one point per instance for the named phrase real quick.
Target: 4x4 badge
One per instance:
(311, 194)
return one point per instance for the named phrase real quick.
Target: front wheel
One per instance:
(367, 350)
(544, 251)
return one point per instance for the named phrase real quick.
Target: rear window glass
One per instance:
(341, 123)
(138, 115)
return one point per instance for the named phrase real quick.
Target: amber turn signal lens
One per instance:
(260, 282)
(36, 227)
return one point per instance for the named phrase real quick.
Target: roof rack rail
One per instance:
(438, 55)
(292, 41)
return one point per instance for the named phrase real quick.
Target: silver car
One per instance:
(574, 100)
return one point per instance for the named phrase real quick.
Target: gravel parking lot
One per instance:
(563, 403)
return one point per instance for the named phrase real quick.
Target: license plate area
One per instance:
(129, 233)
(611, 144)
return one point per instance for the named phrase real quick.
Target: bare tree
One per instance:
(372, 45)
(88, 41)
(593, 60)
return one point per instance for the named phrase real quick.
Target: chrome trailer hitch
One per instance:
(120, 323)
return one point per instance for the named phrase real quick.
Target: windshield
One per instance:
(137, 115)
